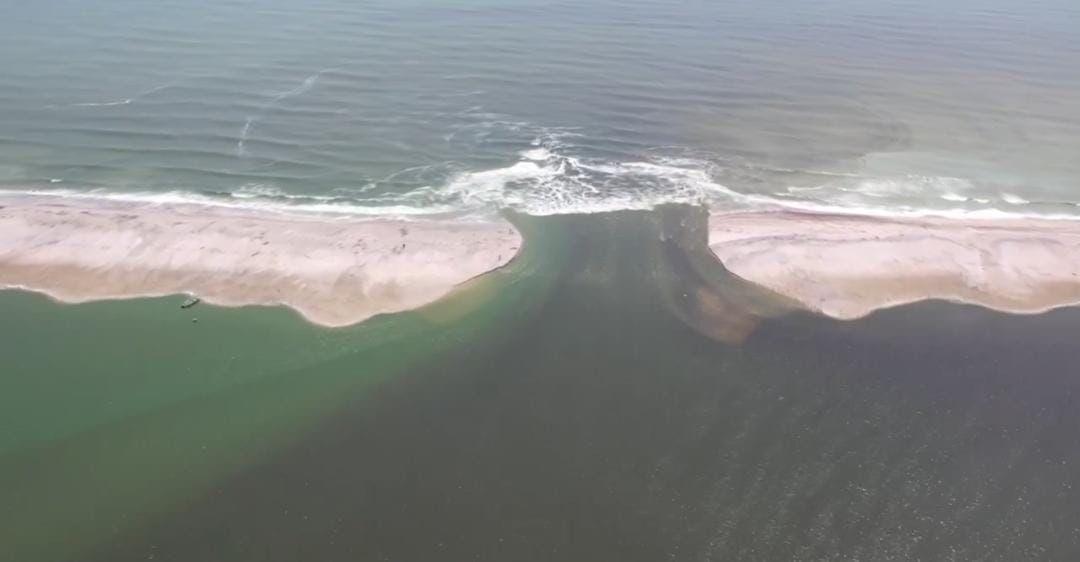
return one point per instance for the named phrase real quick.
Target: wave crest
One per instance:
(551, 177)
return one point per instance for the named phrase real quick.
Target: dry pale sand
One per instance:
(335, 271)
(848, 266)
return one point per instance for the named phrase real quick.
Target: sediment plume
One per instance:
(334, 270)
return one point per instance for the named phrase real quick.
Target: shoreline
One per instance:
(848, 266)
(333, 270)
(339, 269)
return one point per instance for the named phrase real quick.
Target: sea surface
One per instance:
(613, 394)
(424, 106)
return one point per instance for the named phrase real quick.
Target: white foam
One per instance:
(279, 204)
(863, 189)
(256, 190)
(799, 189)
(249, 123)
(244, 132)
(537, 154)
(909, 196)
(124, 101)
(1014, 199)
(547, 180)
(546, 183)
(764, 203)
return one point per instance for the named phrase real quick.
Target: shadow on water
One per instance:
(652, 406)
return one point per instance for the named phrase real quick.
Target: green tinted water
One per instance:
(614, 394)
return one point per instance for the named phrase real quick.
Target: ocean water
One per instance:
(427, 106)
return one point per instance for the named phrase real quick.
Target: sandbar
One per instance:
(847, 266)
(334, 270)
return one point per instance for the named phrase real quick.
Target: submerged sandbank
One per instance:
(848, 266)
(334, 270)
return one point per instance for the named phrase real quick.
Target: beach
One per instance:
(847, 266)
(340, 270)
(333, 270)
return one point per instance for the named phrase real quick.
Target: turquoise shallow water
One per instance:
(547, 106)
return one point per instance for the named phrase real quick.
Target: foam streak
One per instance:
(249, 124)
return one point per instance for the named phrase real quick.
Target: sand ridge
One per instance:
(334, 270)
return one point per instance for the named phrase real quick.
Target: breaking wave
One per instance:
(547, 179)
(544, 182)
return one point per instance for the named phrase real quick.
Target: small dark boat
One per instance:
(190, 302)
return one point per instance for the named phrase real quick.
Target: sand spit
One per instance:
(848, 266)
(334, 270)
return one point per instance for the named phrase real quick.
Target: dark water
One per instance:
(627, 399)
(419, 106)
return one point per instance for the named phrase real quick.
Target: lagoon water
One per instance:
(612, 395)
(548, 106)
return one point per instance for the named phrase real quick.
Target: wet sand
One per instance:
(333, 270)
(849, 266)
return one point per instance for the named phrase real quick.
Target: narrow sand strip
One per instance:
(335, 271)
(848, 266)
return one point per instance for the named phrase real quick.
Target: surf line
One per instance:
(249, 124)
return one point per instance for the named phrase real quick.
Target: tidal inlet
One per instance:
(527, 280)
